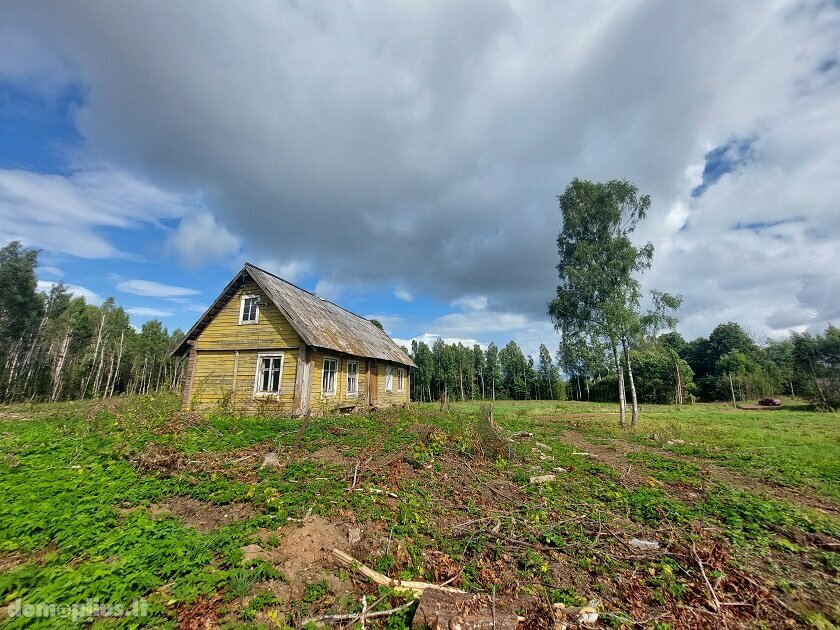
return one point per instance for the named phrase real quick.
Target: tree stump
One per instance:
(441, 610)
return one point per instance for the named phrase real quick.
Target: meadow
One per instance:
(128, 513)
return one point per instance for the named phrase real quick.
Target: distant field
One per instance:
(791, 447)
(129, 500)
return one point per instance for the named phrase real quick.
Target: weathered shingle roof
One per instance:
(319, 322)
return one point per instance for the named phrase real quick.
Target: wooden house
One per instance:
(267, 344)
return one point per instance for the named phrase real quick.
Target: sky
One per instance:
(403, 159)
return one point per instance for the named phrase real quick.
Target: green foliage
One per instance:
(818, 359)
(56, 347)
(469, 373)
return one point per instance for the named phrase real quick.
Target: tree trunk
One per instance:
(625, 342)
(99, 331)
(679, 398)
(119, 360)
(59, 366)
(622, 402)
(732, 389)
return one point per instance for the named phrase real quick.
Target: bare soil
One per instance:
(203, 516)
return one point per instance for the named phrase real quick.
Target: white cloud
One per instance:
(402, 294)
(200, 239)
(148, 312)
(91, 297)
(470, 303)
(423, 145)
(67, 213)
(148, 288)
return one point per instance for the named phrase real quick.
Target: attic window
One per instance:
(249, 309)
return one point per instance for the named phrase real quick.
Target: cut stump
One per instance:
(443, 610)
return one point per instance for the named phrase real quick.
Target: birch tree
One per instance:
(598, 294)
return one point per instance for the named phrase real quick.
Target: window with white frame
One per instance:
(249, 309)
(269, 374)
(352, 378)
(389, 378)
(328, 376)
(400, 377)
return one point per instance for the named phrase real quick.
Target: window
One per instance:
(328, 376)
(269, 374)
(249, 309)
(400, 377)
(352, 378)
(389, 378)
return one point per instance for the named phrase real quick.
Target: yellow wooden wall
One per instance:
(319, 398)
(225, 331)
(394, 397)
(218, 343)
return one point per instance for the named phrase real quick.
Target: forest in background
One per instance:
(55, 346)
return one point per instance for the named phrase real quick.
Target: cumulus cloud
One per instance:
(423, 145)
(150, 288)
(200, 239)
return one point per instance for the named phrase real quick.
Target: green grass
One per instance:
(792, 446)
(74, 510)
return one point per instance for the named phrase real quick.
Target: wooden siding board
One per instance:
(271, 328)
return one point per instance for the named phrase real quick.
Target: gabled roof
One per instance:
(319, 323)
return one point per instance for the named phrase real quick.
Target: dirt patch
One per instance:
(615, 455)
(203, 516)
(240, 464)
(303, 557)
(200, 615)
(327, 454)
(161, 458)
(9, 561)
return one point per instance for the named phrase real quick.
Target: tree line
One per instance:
(54, 346)
(458, 372)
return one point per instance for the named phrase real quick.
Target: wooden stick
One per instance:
(716, 602)
(357, 616)
(405, 586)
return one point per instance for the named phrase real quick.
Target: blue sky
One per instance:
(404, 162)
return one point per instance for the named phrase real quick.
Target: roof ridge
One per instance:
(313, 294)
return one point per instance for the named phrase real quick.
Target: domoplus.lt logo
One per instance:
(88, 610)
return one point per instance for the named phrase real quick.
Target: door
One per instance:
(373, 384)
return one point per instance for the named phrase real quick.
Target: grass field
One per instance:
(171, 520)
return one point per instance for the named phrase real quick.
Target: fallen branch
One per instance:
(358, 616)
(404, 586)
(716, 601)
